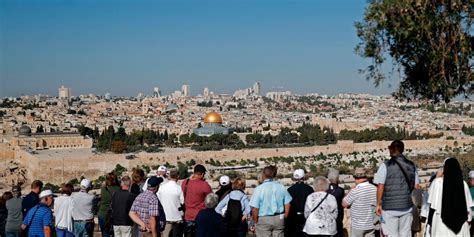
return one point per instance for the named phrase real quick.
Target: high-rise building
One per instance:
(185, 90)
(206, 92)
(256, 88)
(156, 92)
(140, 96)
(64, 93)
(107, 96)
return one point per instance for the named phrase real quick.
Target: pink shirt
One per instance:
(194, 195)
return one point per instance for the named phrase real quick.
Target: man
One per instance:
(39, 219)
(121, 204)
(172, 198)
(15, 215)
(362, 201)
(471, 188)
(271, 205)
(82, 210)
(144, 210)
(195, 190)
(32, 199)
(396, 179)
(299, 192)
(160, 172)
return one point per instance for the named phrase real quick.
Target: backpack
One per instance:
(161, 222)
(233, 214)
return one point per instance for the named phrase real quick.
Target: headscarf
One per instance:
(453, 209)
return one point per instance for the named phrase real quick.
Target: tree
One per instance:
(40, 129)
(429, 42)
(118, 146)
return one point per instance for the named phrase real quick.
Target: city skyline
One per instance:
(129, 47)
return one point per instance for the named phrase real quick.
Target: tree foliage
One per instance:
(429, 43)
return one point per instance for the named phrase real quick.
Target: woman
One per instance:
(138, 178)
(236, 209)
(15, 215)
(320, 210)
(450, 202)
(208, 221)
(111, 186)
(63, 212)
(3, 211)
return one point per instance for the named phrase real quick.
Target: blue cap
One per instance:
(154, 181)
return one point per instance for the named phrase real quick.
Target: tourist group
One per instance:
(389, 203)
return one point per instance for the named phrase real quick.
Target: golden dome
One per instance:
(213, 117)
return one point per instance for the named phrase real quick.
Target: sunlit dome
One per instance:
(213, 117)
(24, 131)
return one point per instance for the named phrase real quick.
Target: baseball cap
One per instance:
(224, 180)
(471, 174)
(154, 181)
(162, 168)
(200, 169)
(46, 193)
(298, 174)
(86, 183)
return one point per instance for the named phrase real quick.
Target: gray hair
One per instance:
(126, 181)
(333, 176)
(211, 200)
(321, 184)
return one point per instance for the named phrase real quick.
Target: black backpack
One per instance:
(233, 214)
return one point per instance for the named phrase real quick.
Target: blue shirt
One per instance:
(235, 195)
(270, 198)
(43, 217)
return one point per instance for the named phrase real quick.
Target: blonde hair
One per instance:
(238, 184)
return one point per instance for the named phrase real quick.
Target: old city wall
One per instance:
(64, 169)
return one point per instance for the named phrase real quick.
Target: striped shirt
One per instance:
(146, 205)
(363, 200)
(38, 219)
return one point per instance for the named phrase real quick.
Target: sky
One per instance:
(127, 47)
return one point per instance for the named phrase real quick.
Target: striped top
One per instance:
(363, 200)
(42, 218)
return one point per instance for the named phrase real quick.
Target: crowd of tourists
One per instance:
(389, 203)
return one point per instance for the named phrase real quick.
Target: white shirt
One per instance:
(362, 199)
(323, 220)
(171, 197)
(63, 212)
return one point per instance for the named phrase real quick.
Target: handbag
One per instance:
(319, 204)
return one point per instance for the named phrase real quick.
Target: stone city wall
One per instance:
(60, 170)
